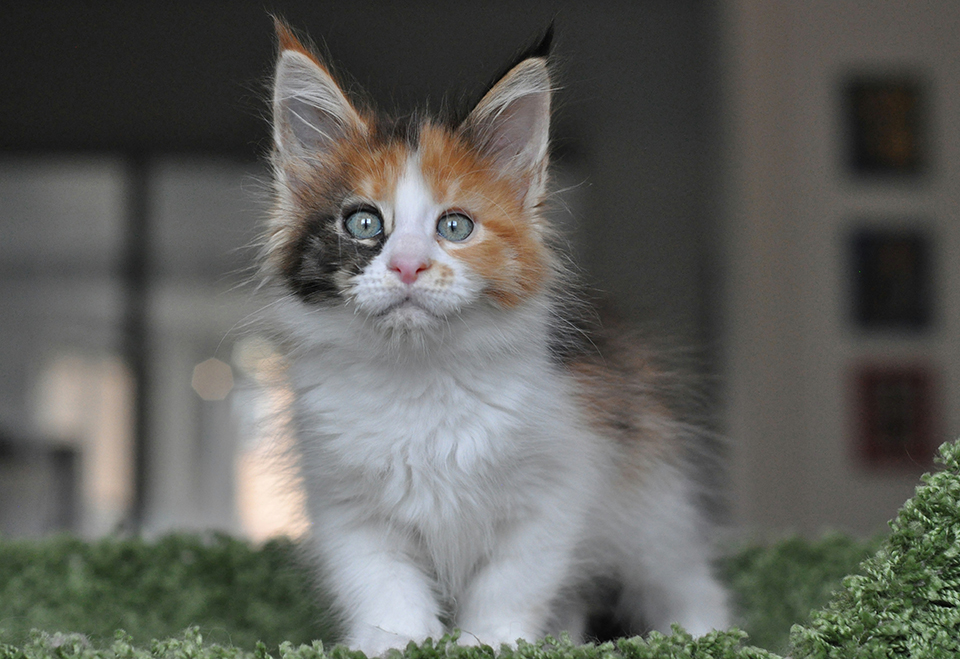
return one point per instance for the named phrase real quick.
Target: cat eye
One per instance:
(363, 224)
(455, 227)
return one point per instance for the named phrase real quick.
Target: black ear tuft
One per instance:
(539, 48)
(542, 47)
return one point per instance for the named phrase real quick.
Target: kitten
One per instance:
(467, 466)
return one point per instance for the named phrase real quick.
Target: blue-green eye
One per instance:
(363, 224)
(455, 227)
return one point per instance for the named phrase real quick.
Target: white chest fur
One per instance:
(430, 440)
(450, 453)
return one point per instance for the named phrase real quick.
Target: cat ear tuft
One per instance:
(543, 45)
(311, 114)
(511, 123)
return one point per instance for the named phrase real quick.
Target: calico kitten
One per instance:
(467, 467)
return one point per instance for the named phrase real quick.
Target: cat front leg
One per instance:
(666, 570)
(513, 596)
(385, 598)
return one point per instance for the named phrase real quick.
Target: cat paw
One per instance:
(467, 640)
(376, 642)
(494, 637)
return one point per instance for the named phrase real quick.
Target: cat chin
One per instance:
(407, 317)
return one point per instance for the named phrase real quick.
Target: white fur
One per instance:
(466, 477)
(452, 473)
(443, 475)
(453, 476)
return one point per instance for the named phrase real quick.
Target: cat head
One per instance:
(409, 222)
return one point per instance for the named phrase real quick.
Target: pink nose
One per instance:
(409, 268)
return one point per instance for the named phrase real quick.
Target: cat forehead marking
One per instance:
(414, 205)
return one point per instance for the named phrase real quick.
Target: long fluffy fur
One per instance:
(467, 466)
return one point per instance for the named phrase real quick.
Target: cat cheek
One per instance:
(348, 270)
(509, 275)
(346, 282)
(443, 276)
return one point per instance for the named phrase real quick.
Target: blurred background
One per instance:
(772, 184)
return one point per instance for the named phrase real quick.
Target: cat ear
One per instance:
(311, 114)
(511, 123)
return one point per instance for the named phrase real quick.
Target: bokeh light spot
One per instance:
(212, 379)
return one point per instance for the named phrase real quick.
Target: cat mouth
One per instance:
(406, 303)
(407, 315)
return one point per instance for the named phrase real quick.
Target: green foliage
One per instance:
(238, 594)
(191, 645)
(235, 594)
(775, 587)
(906, 599)
(240, 602)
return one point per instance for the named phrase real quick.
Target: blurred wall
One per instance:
(635, 120)
(793, 350)
(700, 143)
(123, 120)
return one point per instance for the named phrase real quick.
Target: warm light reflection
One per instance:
(270, 497)
(212, 379)
(87, 402)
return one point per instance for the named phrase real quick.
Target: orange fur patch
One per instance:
(508, 253)
(618, 390)
(375, 171)
(444, 274)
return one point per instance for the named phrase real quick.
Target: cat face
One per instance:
(409, 222)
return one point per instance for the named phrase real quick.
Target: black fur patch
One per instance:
(320, 255)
